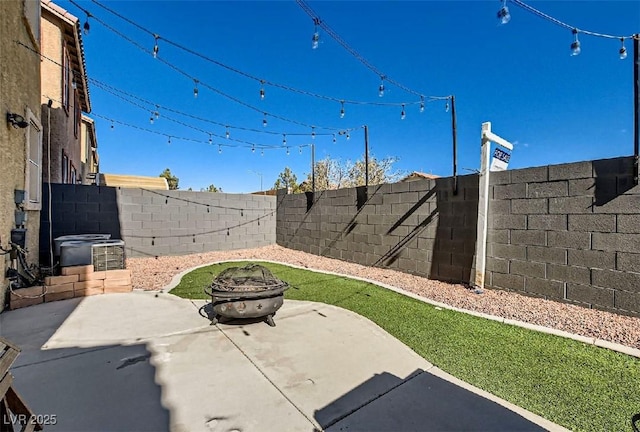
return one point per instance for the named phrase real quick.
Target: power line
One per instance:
(264, 82)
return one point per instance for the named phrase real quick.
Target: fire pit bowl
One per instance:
(251, 291)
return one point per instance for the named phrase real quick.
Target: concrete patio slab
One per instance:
(137, 362)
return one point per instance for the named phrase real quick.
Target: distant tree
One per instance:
(171, 179)
(287, 180)
(211, 188)
(380, 171)
(334, 174)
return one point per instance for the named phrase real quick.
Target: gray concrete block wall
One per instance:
(156, 223)
(418, 227)
(568, 232)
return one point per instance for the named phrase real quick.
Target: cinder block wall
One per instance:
(568, 232)
(157, 223)
(564, 232)
(419, 227)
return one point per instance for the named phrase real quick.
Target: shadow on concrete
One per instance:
(420, 402)
(110, 387)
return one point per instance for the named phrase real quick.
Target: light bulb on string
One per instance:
(155, 45)
(261, 89)
(341, 109)
(169, 140)
(287, 151)
(151, 119)
(111, 124)
(195, 88)
(253, 148)
(262, 152)
(623, 50)
(503, 14)
(300, 150)
(284, 139)
(575, 45)
(210, 140)
(315, 39)
(381, 88)
(348, 136)
(421, 104)
(264, 120)
(403, 114)
(334, 138)
(313, 132)
(227, 134)
(86, 26)
(219, 149)
(156, 113)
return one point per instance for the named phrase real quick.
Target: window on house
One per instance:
(33, 169)
(74, 175)
(65, 167)
(66, 73)
(76, 113)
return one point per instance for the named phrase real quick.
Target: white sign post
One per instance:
(500, 162)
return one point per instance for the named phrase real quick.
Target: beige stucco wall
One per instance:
(20, 89)
(62, 121)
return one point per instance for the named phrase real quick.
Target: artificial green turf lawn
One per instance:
(579, 386)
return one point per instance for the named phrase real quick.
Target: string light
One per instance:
(575, 45)
(227, 134)
(503, 14)
(284, 139)
(381, 88)
(287, 151)
(317, 22)
(341, 109)
(155, 45)
(421, 104)
(156, 112)
(111, 124)
(253, 149)
(264, 120)
(219, 149)
(210, 140)
(403, 114)
(86, 26)
(195, 88)
(300, 150)
(334, 138)
(151, 118)
(169, 140)
(348, 136)
(313, 132)
(262, 152)
(315, 39)
(261, 89)
(623, 50)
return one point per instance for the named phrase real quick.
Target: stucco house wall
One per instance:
(64, 83)
(20, 90)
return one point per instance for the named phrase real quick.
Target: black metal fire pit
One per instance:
(251, 291)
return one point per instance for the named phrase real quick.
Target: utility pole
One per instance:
(366, 155)
(636, 106)
(454, 131)
(313, 167)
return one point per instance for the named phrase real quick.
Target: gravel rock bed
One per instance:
(156, 273)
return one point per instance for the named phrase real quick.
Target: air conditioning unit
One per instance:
(107, 255)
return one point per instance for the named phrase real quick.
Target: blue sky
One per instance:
(555, 108)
